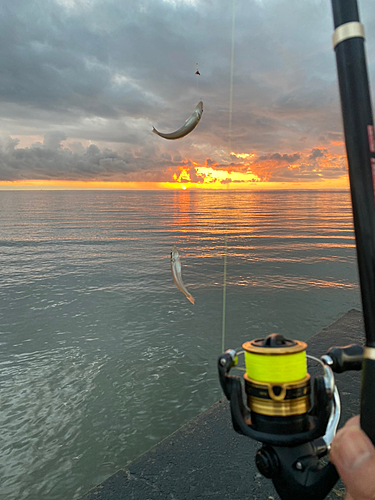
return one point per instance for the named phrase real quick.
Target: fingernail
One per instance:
(355, 450)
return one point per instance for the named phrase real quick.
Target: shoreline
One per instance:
(206, 458)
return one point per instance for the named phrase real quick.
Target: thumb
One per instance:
(353, 455)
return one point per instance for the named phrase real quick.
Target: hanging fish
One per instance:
(197, 72)
(176, 273)
(188, 126)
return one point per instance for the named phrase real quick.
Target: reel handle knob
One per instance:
(342, 359)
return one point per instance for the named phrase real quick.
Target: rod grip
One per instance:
(367, 398)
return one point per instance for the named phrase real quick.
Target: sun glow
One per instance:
(244, 156)
(211, 175)
(316, 168)
(342, 183)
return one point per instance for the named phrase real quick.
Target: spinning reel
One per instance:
(295, 424)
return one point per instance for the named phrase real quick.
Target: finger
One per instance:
(353, 422)
(341, 434)
(353, 454)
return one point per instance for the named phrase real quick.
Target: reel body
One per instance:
(295, 421)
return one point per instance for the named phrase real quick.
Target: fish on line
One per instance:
(188, 126)
(176, 273)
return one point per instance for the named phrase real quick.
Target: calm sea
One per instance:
(101, 356)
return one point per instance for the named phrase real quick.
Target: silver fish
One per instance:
(176, 273)
(188, 126)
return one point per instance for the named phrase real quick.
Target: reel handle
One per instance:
(345, 358)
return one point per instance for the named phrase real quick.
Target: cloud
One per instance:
(53, 140)
(302, 166)
(282, 158)
(50, 160)
(317, 153)
(103, 72)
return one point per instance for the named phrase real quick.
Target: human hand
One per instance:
(353, 455)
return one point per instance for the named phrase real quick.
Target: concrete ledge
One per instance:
(206, 458)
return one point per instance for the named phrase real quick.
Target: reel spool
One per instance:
(277, 384)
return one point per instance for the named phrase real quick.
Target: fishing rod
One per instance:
(296, 425)
(348, 41)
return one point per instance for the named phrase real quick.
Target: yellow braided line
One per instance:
(276, 368)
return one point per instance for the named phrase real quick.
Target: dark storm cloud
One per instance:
(317, 153)
(105, 71)
(282, 158)
(49, 160)
(104, 58)
(55, 62)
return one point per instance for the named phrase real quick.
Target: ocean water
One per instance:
(101, 357)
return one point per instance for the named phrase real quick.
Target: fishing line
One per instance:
(231, 76)
(224, 293)
(230, 149)
(197, 75)
(236, 367)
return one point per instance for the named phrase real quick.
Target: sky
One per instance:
(82, 83)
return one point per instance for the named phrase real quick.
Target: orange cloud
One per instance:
(311, 168)
(319, 167)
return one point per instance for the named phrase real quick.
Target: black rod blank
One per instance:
(360, 149)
